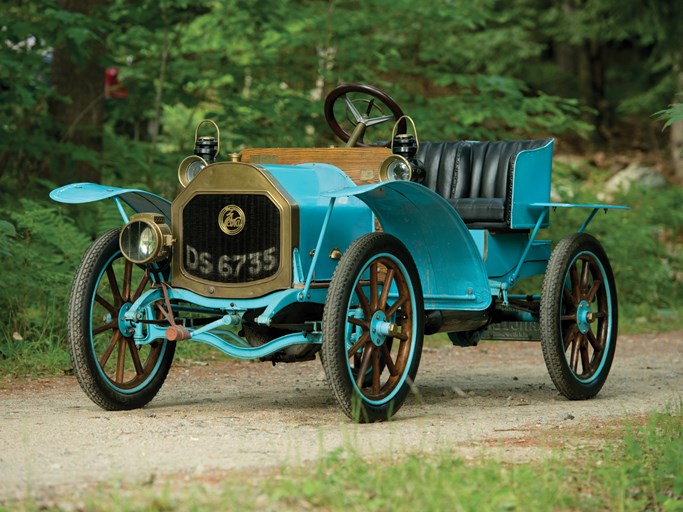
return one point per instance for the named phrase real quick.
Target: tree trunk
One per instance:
(591, 67)
(156, 126)
(79, 108)
(326, 55)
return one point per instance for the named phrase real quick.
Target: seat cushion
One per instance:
(476, 177)
(480, 210)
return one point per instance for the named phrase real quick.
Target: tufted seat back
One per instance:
(475, 177)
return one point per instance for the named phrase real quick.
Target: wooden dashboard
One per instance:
(360, 164)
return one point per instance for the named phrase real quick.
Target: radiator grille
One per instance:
(250, 255)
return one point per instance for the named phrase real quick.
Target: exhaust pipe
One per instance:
(455, 321)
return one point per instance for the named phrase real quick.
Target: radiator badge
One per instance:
(231, 220)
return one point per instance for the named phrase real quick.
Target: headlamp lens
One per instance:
(139, 242)
(147, 243)
(193, 169)
(398, 170)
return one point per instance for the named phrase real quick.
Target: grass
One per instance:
(625, 468)
(642, 472)
(37, 352)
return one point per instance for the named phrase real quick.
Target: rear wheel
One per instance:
(578, 317)
(113, 371)
(373, 328)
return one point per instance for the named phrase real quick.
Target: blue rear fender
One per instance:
(138, 200)
(449, 263)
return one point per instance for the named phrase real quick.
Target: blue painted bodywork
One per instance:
(531, 184)
(451, 270)
(138, 200)
(504, 250)
(308, 185)
(595, 208)
(216, 335)
(459, 269)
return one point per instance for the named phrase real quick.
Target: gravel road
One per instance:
(245, 416)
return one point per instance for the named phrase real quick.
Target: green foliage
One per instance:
(462, 68)
(7, 232)
(30, 143)
(627, 53)
(671, 115)
(39, 250)
(263, 79)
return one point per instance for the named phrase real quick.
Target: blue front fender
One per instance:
(138, 200)
(451, 270)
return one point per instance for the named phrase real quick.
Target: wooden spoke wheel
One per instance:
(579, 316)
(114, 372)
(373, 328)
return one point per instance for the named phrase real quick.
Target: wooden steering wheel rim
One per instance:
(370, 90)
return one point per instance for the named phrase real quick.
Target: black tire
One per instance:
(579, 317)
(350, 347)
(104, 284)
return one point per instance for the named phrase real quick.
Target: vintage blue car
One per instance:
(354, 253)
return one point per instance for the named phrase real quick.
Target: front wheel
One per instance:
(578, 317)
(373, 328)
(113, 371)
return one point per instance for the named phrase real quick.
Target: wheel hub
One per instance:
(583, 317)
(380, 328)
(125, 326)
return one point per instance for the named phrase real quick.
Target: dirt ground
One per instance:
(246, 417)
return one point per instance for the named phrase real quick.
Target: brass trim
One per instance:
(356, 135)
(229, 224)
(237, 178)
(218, 134)
(314, 285)
(182, 168)
(161, 232)
(384, 168)
(393, 132)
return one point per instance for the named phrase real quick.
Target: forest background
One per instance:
(601, 76)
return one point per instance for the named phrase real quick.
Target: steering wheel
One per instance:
(351, 109)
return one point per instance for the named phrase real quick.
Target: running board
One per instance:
(512, 331)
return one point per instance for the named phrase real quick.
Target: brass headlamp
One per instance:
(206, 149)
(146, 238)
(402, 164)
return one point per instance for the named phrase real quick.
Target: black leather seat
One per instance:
(475, 177)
